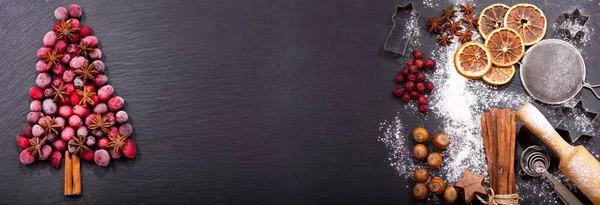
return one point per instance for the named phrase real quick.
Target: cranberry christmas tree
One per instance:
(73, 107)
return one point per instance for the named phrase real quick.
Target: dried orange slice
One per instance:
(491, 18)
(506, 46)
(472, 60)
(528, 20)
(499, 75)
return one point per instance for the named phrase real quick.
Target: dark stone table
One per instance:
(232, 102)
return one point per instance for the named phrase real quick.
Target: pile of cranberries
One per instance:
(414, 81)
(73, 107)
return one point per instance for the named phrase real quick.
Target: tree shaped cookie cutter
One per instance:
(395, 42)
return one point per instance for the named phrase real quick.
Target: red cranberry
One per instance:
(413, 69)
(90, 141)
(59, 145)
(85, 31)
(69, 76)
(102, 142)
(75, 23)
(74, 39)
(422, 100)
(414, 95)
(58, 70)
(418, 54)
(27, 130)
(397, 92)
(409, 63)
(126, 130)
(90, 41)
(37, 130)
(87, 155)
(399, 78)
(129, 149)
(98, 66)
(56, 25)
(49, 39)
(90, 87)
(95, 99)
(429, 63)
(101, 157)
(23, 141)
(115, 154)
(75, 98)
(113, 131)
(75, 11)
(75, 121)
(36, 93)
(122, 116)
(33, 117)
(46, 151)
(96, 54)
(110, 118)
(422, 108)
(65, 111)
(61, 122)
(88, 119)
(55, 159)
(35, 106)
(101, 108)
(43, 80)
(49, 107)
(429, 86)
(100, 80)
(78, 82)
(411, 77)
(61, 47)
(409, 86)
(67, 134)
(49, 93)
(116, 103)
(420, 77)
(27, 157)
(82, 131)
(419, 64)
(41, 67)
(81, 111)
(404, 71)
(77, 62)
(43, 51)
(405, 98)
(42, 121)
(66, 59)
(61, 13)
(73, 49)
(420, 87)
(56, 82)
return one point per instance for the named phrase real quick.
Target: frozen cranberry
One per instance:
(75, 98)
(48, 93)
(35, 106)
(74, 39)
(85, 31)
(100, 80)
(420, 87)
(69, 76)
(23, 141)
(43, 51)
(422, 100)
(397, 92)
(409, 86)
(98, 66)
(129, 149)
(49, 107)
(61, 122)
(77, 62)
(90, 141)
(75, 11)
(56, 82)
(61, 47)
(110, 118)
(75, 23)
(55, 159)
(105, 92)
(417, 54)
(90, 41)
(78, 82)
(61, 13)
(33, 117)
(58, 70)
(27, 130)
(98, 133)
(59, 145)
(51, 137)
(126, 129)
(42, 121)
(102, 142)
(404, 71)
(419, 64)
(429, 63)
(73, 49)
(411, 77)
(115, 154)
(409, 63)
(36, 93)
(101, 157)
(57, 25)
(87, 155)
(399, 78)
(96, 54)
(82, 131)
(43, 80)
(26, 157)
(65, 111)
(88, 119)
(95, 99)
(113, 131)
(122, 116)
(405, 98)
(420, 77)
(81, 111)
(67, 134)
(75, 121)
(41, 67)
(72, 148)
(49, 39)
(116, 103)
(413, 69)
(37, 130)
(414, 95)
(429, 86)
(46, 151)
(422, 108)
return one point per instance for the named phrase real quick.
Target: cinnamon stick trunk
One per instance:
(76, 175)
(68, 174)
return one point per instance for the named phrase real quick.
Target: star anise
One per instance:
(50, 126)
(79, 143)
(86, 71)
(35, 145)
(65, 30)
(434, 24)
(84, 49)
(465, 36)
(52, 58)
(467, 9)
(471, 20)
(444, 39)
(116, 142)
(99, 122)
(449, 13)
(453, 27)
(86, 97)
(59, 92)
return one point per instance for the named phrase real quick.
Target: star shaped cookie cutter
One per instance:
(395, 42)
(574, 115)
(575, 21)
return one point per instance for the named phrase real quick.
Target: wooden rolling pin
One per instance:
(575, 162)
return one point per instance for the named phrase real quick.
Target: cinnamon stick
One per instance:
(76, 175)
(68, 174)
(501, 170)
(493, 134)
(486, 140)
(512, 187)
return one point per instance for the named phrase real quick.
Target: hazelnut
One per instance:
(420, 134)
(441, 141)
(450, 194)
(434, 160)
(420, 191)
(436, 185)
(421, 175)
(420, 151)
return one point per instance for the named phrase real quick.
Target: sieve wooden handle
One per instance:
(535, 121)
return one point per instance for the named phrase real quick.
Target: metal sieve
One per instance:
(553, 71)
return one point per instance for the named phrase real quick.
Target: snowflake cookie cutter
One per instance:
(574, 17)
(395, 42)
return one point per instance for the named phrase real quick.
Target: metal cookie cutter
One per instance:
(574, 21)
(395, 42)
(570, 115)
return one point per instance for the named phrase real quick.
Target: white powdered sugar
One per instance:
(431, 3)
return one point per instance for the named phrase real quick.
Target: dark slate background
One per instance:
(232, 102)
